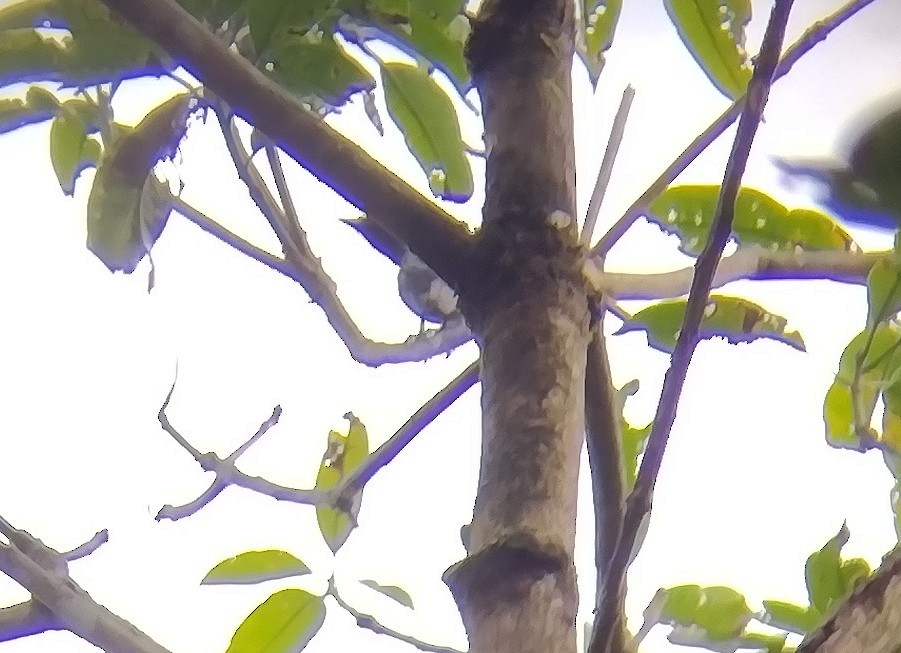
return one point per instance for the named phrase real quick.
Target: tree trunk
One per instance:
(526, 303)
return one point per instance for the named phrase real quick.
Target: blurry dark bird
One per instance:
(423, 291)
(866, 189)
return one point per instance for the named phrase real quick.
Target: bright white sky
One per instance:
(748, 489)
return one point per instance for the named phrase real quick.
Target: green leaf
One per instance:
(99, 50)
(599, 19)
(39, 105)
(253, 567)
(714, 33)
(633, 445)
(27, 13)
(721, 612)
(126, 208)
(283, 623)
(426, 116)
(883, 290)
(319, 68)
(71, 151)
(391, 591)
(733, 318)
(869, 366)
(826, 583)
(343, 455)
(687, 211)
(442, 44)
(271, 21)
(788, 616)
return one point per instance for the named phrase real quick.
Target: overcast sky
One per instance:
(748, 489)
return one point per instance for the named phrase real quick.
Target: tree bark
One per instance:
(869, 621)
(526, 302)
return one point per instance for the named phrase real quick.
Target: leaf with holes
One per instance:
(426, 116)
(595, 35)
(319, 69)
(720, 613)
(343, 455)
(253, 567)
(687, 211)
(714, 33)
(733, 318)
(883, 290)
(283, 623)
(391, 591)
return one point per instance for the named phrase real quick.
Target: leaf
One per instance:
(214, 12)
(428, 121)
(826, 584)
(343, 455)
(599, 19)
(883, 290)
(27, 13)
(71, 151)
(253, 567)
(788, 616)
(633, 445)
(283, 623)
(721, 612)
(39, 105)
(391, 591)
(272, 20)
(687, 211)
(733, 318)
(126, 207)
(319, 69)
(869, 366)
(714, 33)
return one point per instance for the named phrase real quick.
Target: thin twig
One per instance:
(370, 623)
(814, 35)
(600, 185)
(638, 504)
(354, 482)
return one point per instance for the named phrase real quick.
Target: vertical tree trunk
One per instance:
(526, 302)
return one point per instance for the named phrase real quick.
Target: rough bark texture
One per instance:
(869, 621)
(525, 301)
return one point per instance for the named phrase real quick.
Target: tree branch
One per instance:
(433, 235)
(752, 263)
(811, 37)
(371, 623)
(638, 504)
(44, 572)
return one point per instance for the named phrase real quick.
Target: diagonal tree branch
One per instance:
(44, 572)
(811, 37)
(433, 235)
(638, 504)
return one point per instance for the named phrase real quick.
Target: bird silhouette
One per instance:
(423, 291)
(864, 190)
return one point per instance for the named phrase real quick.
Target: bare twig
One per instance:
(369, 622)
(638, 504)
(351, 484)
(66, 606)
(814, 35)
(600, 185)
(226, 473)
